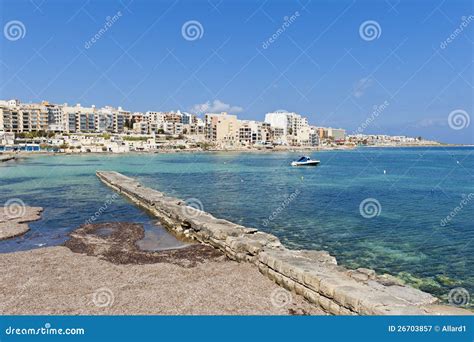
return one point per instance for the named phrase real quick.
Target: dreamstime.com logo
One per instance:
(462, 204)
(281, 207)
(14, 208)
(370, 208)
(46, 330)
(377, 110)
(459, 296)
(102, 209)
(103, 297)
(287, 21)
(109, 22)
(459, 119)
(192, 208)
(192, 30)
(465, 21)
(370, 30)
(14, 30)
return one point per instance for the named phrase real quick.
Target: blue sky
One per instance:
(320, 65)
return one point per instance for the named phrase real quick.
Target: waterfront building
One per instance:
(291, 124)
(338, 134)
(188, 119)
(329, 133)
(137, 117)
(79, 119)
(196, 127)
(6, 138)
(253, 132)
(19, 118)
(141, 127)
(55, 117)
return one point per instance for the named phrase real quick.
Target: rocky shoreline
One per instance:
(100, 271)
(314, 275)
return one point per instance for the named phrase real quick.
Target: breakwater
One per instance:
(312, 274)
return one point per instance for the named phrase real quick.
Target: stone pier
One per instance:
(312, 274)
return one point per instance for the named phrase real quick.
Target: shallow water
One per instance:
(314, 208)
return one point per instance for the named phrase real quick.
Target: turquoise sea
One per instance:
(401, 229)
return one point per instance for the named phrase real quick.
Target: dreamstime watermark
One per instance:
(192, 208)
(14, 208)
(281, 298)
(47, 329)
(14, 30)
(281, 207)
(462, 204)
(459, 119)
(287, 21)
(377, 110)
(110, 199)
(103, 297)
(370, 208)
(370, 30)
(459, 296)
(109, 22)
(464, 24)
(192, 30)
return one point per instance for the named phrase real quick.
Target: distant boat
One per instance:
(305, 161)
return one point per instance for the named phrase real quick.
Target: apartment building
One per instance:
(336, 134)
(291, 124)
(79, 119)
(253, 132)
(222, 128)
(19, 118)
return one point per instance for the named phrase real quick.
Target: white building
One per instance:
(292, 124)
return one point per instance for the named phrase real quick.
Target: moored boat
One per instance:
(305, 161)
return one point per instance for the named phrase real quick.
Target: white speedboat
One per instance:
(305, 161)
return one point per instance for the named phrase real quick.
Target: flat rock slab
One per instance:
(55, 280)
(13, 220)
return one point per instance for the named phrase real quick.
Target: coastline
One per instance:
(293, 149)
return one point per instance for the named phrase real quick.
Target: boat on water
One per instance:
(305, 161)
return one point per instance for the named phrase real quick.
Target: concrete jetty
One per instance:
(4, 158)
(312, 274)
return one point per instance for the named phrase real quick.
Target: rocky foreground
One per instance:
(14, 218)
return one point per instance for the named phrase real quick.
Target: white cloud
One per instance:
(361, 86)
(216, 106)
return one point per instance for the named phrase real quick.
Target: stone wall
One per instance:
(312, 274)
